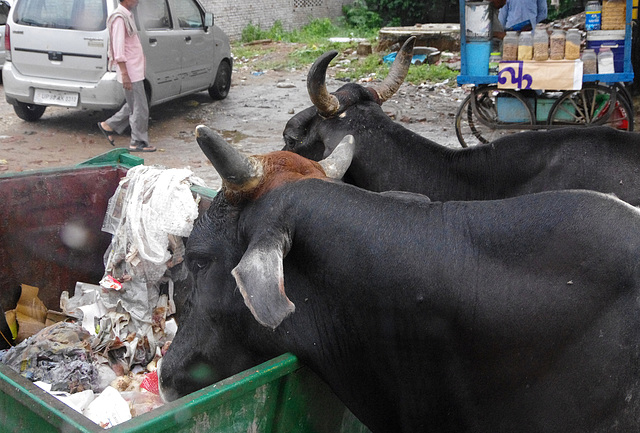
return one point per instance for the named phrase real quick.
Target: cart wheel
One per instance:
(592, 105)
(622, 92)
(481, 117)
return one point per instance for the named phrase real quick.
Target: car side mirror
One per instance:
(208, 20)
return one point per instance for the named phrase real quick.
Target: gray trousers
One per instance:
(134, 113)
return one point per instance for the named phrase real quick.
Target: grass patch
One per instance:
(373, 65)
(433, 73)
(313, 40)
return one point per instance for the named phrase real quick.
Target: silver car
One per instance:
(58, 54)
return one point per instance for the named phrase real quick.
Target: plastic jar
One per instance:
(593, 13)
(605, 61)
(614, 14)
(525, 46)
(572, 45)
(510, 46)
(540, 44)
(494, 63)
(556, 43)
(590, 63)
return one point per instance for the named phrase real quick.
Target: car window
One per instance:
(188, 14)
(154, 14)
(4, 12)
(90, 15)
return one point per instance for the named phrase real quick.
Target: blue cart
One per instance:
(492, 109)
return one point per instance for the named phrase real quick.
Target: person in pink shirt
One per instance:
(125, 50)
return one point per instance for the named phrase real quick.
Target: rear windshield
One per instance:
(4, 11)
(88, 15)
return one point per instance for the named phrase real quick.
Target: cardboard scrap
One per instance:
(31, 313)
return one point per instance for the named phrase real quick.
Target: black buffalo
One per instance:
(390, 157)
(515, 315)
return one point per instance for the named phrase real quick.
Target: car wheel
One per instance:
(221, 85)
(29, 112)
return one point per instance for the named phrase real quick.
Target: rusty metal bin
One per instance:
(280, 395)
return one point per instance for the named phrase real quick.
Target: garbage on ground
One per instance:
(348, 39)
(421, 55)
(99, 353)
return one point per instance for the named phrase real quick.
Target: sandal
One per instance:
(141, 147)
(107, 134)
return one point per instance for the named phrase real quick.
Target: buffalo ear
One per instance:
(260, 278)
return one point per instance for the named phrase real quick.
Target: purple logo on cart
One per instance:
(517, 77)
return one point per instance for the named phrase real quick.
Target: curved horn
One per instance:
(231, 165)
(397, 72)
(337, 164)
(326, 103)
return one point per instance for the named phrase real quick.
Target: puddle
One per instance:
(233, 136)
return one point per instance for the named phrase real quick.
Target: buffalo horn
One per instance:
(233, 167)
(326, 103)
(397, 72)
(337, 164)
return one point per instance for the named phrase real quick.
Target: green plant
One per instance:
(566, 8)
(358, 16)
(403, 11)
(252, 33)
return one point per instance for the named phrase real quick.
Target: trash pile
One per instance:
(98, 353)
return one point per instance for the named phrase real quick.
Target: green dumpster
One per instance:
(280, 395)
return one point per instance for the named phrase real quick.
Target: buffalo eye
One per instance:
(198, 263)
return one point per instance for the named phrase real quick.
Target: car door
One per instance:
(198, 45)
(162, 46)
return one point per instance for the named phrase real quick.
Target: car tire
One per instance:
(28, 112)
(221, 85)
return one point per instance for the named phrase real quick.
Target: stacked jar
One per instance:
(572, 46)
(614, 14)
(510, 46)
(540, 44)
(605, 60)
(590, 64)
(525, 46)
(557, 42)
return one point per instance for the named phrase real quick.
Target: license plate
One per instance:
(55, 97)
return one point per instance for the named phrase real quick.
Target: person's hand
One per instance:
(126, 82)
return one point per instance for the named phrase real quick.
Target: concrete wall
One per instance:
(233, 16)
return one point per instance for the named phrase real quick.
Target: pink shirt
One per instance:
(127, 48)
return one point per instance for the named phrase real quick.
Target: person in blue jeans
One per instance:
(522, 15)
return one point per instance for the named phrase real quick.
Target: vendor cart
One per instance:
(522, 95)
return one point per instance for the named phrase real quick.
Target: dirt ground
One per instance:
(252, 117)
